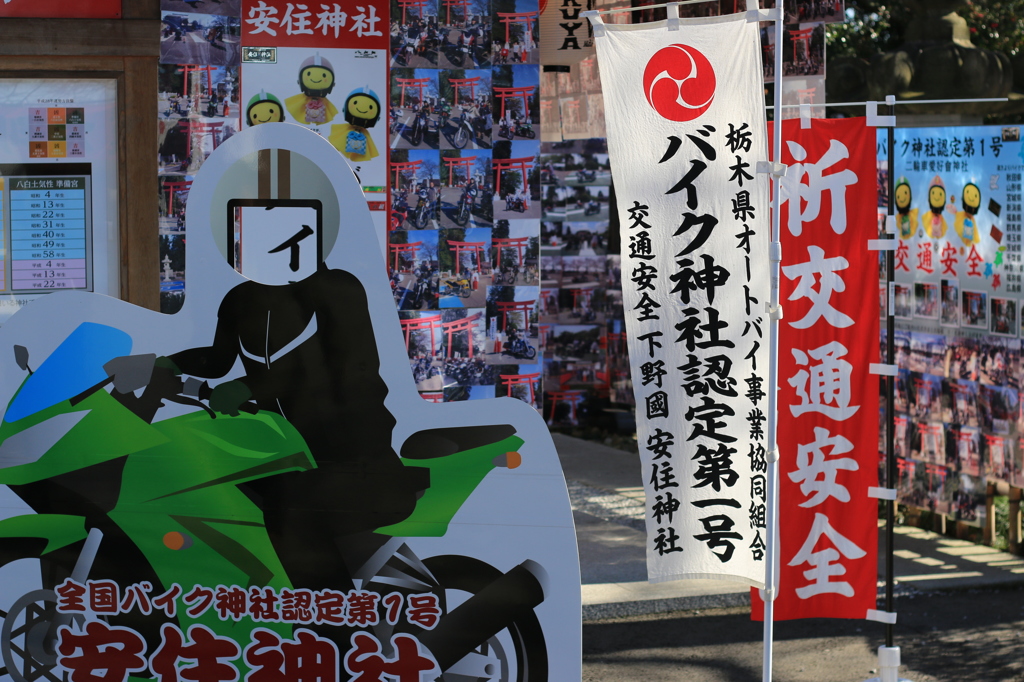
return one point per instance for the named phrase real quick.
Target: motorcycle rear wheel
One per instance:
(516, 654)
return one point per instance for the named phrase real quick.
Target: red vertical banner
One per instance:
(828, 399)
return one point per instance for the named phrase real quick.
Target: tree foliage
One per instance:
(873, 27)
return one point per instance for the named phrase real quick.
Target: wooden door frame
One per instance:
(125, 50)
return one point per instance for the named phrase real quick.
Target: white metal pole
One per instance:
(775, 256)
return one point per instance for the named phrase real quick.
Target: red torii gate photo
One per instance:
(426, 323)
(200, 128)
(798, 36)
(458, 326)
(572, 397)
(616, 342)
(418, 83)
(510, 380)
(586, 294)
(527, 18)
(470, 83)
(522, 164)
(186, 69)
(517, 243)
(546, 296)
(477, 248)
(398, 166)
(412, 4)
(172, 186)
(461, 4)
(506, 307)
(543, 332)
(408, 249)
(523, 92)
(454, 163)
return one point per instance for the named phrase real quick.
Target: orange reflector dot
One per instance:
(175, 540)
(514, 459)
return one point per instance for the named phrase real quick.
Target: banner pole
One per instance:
(775, 256)
(890, 389)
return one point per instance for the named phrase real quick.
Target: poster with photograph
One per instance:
(326, 69)
(958, 208)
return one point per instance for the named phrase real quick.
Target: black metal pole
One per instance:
(890, 394)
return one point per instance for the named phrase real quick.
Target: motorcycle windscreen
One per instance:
(74, 366)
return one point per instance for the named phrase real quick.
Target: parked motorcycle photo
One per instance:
(518, 347)
(460, 287)
(467, 202)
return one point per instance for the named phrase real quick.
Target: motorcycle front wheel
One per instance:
(417, 134)
(422, 218)
(28, 656)
(516, 653)
(461, 138)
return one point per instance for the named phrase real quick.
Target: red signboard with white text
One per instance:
(61, 9)
(359, 24)
(828, 399)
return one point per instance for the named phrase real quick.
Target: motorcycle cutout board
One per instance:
(252, 489)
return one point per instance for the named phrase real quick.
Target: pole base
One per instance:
(888, 665)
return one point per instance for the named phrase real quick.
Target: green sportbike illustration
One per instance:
(163, 510)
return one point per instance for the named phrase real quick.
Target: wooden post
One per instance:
(988, 532)
(1015, 526)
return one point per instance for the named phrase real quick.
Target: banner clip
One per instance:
(890, 224)
(773, 313)
(883, 370)
(881, 616)
(881, 245)
(763, 14)
(672, 21)
(776, 169)
(877, 121)
(882, 493)
(773, 455)
(596, 22)
(805, 116)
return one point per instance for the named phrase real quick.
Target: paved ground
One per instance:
(607, 497)
(960, 605)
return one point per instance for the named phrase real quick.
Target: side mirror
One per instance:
(21, 357)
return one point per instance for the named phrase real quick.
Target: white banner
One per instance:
(686, 129)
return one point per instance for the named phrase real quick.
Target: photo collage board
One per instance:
(464, 233)
(198, 108)
(957, 301)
